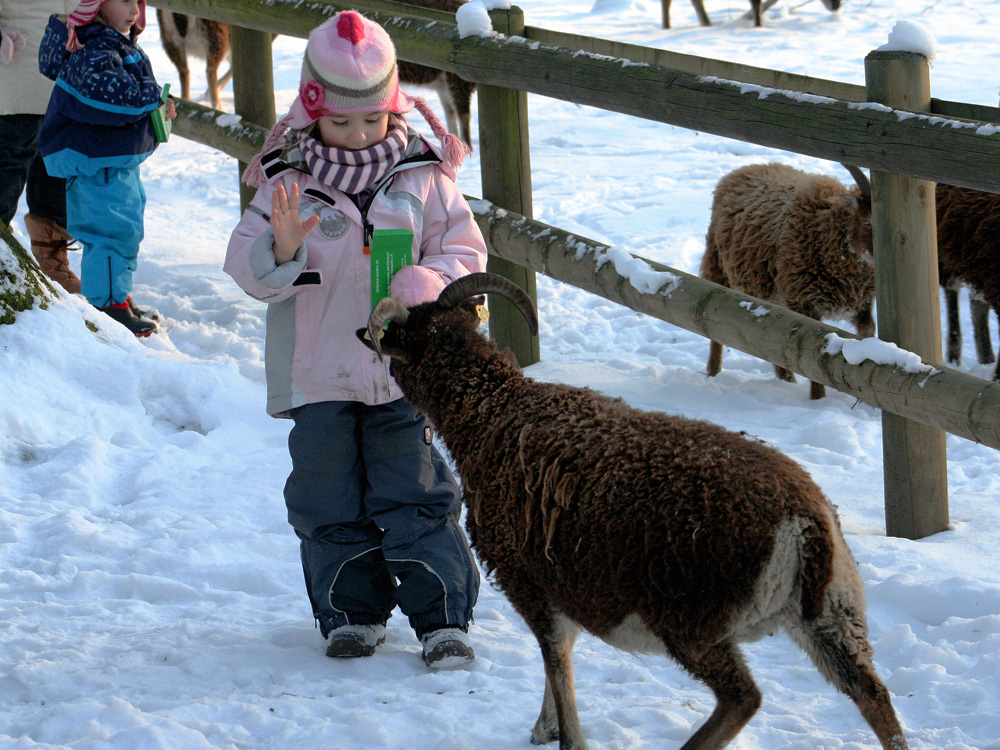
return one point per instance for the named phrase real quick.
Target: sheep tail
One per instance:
(817, 555)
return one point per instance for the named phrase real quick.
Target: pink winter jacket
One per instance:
(320, 298)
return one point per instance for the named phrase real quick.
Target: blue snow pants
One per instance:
(376, 511)
(105, 213)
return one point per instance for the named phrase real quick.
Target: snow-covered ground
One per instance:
(150, 590)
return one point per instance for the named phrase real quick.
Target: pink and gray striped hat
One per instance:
(85, 13)
(350, 66)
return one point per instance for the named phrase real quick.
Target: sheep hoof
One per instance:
(783, 374)
(543, 736)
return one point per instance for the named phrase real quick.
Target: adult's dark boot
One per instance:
(49, 243)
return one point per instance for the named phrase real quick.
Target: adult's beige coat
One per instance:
(23, 90)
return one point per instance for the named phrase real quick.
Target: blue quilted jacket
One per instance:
(98, 115)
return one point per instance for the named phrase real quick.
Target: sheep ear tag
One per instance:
(483, 313)
(381, 335)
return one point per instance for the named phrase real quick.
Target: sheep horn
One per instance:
(859, 177)
(487, 283)
(387, 309)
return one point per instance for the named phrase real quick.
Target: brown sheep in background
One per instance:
(757, 8)
(455, 92)
(656, 533)
(799, 240)
(184, 35)
(968, 239)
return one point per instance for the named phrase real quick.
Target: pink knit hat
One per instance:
(350, 66)
(85, 13)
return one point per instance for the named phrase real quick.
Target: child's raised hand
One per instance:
(289, 229)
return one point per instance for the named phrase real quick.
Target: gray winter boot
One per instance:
(447, 647)
(350, 641)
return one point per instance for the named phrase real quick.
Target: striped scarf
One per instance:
(352, 172)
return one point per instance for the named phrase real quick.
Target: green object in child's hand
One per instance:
(391, 250)
(161, 125)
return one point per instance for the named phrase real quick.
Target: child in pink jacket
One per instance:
(372, 501)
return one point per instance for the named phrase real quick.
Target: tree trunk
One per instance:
(22, 283)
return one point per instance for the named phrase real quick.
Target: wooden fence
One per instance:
(891, 126)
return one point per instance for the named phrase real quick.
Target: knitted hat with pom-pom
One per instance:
(85, 13)
(350, 66)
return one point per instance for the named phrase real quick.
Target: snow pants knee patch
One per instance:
(376, 509)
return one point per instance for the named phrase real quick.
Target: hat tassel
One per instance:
(454, 148)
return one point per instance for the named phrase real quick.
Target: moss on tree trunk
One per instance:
(22, 283)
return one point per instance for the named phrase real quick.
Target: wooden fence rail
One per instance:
(921, 145)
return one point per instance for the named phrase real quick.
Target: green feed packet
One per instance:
(161, 125)
(391, 249)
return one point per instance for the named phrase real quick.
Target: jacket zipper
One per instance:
(365, 224)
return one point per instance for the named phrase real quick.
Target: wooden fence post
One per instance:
(906, 286)
(253, 87)
(506, 173)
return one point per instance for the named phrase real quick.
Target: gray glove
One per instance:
(11, 42)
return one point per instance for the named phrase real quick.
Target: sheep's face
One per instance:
(429, 349)
(860, 231)
(425, 328)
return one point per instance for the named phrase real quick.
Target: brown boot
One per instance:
(49, 243)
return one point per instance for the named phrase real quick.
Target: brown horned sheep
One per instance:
(968, 240)
(800, 240)
(655, 533)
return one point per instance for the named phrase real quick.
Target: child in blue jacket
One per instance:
(96, 132)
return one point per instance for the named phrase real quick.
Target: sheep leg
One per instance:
(981, 330)
(558, 718)
(840, 649)
(864, 323)
(179, 58)
(714, 366)
(711, 270)
(212, 77)
(722, 668)
(665, 13)
(699, 8)
(787, 375)
(954, 324)
(816, 390)
(461, 95)
(546, 729)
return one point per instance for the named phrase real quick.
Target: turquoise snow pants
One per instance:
(105, 213)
